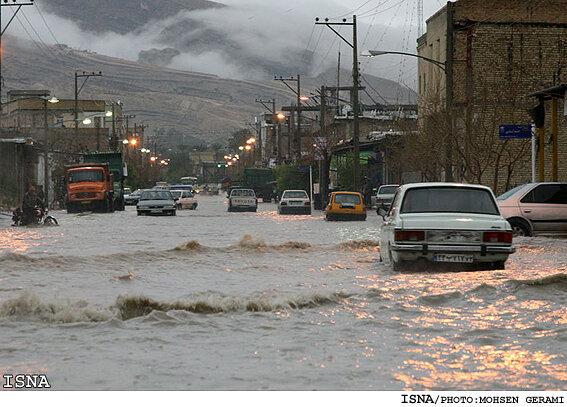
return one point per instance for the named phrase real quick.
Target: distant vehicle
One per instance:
(188, 180)
(155, 202)
(90, 187)
(384, 196)
(127, 191)
(345, 205)
(162, 185)
(132, 198)
(242, 200)
(179, 187)
(536, 208)
(184, 199)
(261, 180)
(445, 223)
(119, 172)
(294, 202)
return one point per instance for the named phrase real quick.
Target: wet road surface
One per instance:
(214, 300)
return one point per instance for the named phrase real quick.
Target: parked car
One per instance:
(294, 202)
(384, 196)
(345, 206)
(536, 208)
(133, 197)
(242, 200)
(185, 199)
(156, 202)
(445, 223)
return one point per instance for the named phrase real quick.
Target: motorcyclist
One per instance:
(31, 202)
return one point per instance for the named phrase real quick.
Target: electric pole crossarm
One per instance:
(264, 103)
(11, 19)
(339, 34)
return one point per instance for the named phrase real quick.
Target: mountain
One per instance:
(200, 105)
(121, 16)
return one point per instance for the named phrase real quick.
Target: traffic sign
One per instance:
(512, 131)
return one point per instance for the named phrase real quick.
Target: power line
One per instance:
(46, 24)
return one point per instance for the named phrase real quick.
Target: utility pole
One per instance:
(78, 90)
(19, 5)
(355, 84)
(297, 142)
(324, 168)
(114, 143)
(270, 106)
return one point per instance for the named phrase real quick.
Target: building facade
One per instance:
(493, 54)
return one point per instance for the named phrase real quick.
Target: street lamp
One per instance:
(373, 53)
(241, 148)
(448, 101)
(125, 142)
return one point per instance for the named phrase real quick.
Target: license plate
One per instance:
(453, 258)
(296, 203)
(86, 202)
(156, 210)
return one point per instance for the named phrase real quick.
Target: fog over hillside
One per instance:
(241, 39)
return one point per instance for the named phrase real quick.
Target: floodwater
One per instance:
(211, 300)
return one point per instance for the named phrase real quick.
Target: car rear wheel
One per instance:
(520, 227)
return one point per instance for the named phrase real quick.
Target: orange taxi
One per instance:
(345, 206)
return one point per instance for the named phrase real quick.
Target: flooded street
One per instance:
(211, 300)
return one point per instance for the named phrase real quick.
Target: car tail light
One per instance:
(409, 236)
(497, 237)
(283, 203)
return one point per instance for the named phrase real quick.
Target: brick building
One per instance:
(495, 54)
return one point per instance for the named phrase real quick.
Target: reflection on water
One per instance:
(446, 363)
(221, 299)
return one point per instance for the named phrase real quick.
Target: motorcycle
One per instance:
(41, 217)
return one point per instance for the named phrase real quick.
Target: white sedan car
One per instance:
(185, 199)
(445, 223)
(294, 202)
(241, 199)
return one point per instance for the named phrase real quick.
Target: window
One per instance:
(86, 176)
(387, 190)
(295, 195)
(242, 192)
(156, 195)
(449, 200)
(547, 194)
(511, 192)
(348, 199)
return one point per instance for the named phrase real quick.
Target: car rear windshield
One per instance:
(449, 200)
(242, 192)
(390, 190)
(295, 195)
(509, 193)
(347, 199)
(156, 196)
(86, 176)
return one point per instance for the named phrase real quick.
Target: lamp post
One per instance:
(46, 177)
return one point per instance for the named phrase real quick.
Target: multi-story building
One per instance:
(491, 54)
(25, 114)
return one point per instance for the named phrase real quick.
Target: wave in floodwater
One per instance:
(29, 307)
(247, 244)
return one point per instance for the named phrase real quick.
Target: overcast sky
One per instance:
(257, 24)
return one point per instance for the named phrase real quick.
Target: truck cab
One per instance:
(89, 187)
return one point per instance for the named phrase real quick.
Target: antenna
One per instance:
(419, 18)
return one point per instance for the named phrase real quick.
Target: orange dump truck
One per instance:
(90, 187)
